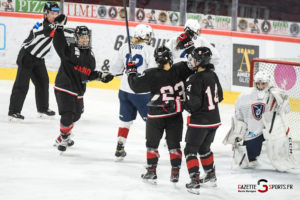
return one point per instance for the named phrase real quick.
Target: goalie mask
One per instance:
(143, 32)
(162, 56)
(192, 27)
(262, 83)
(199, 57)
(82, 37)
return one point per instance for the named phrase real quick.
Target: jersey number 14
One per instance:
(212, 99)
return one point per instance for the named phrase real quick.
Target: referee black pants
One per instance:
(30, 67)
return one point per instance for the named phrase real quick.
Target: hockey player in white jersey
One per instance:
(184, 44)
(260, 116)
(131, 103)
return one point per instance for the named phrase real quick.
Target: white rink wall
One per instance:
(107, 38)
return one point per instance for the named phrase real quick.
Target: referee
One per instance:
(31, 65)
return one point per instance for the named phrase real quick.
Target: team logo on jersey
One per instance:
(140, 14)
(102, 11)
(257, 110)
(112, 12)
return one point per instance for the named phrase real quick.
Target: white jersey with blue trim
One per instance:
(142, 55)
(249, 109)
(180, 54)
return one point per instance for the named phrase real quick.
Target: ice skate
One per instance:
(150, 176)
(120, 152)
(15, 117)
(194, 186)
(174, 174)
(58, 141)
(210, 180)
(64, 142)
(46, 114)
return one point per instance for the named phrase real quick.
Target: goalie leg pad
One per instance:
(279, 153)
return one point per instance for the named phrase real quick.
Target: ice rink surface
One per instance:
(32, 169)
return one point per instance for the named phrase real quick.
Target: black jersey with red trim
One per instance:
(163, 85)
(204, 92)
(77, 66)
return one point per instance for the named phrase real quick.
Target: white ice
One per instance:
(32, 169)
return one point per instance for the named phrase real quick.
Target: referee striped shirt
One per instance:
(39, 40)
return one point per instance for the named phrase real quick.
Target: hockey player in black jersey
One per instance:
(77, 66)
(203, 92)
(166, 84)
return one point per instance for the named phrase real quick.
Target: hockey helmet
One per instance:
(262, 80)
(50, 6)
(192, 27)
(163, 55)
(144, 32)
(200, 57)
(80, 41)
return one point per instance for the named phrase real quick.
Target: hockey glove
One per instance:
(60, 21)
(185, 42)
(101, 76)
(131, 68)
(106, 77)
(172, 106)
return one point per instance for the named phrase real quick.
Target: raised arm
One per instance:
(59, 40)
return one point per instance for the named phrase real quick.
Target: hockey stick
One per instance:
(272, 123)
(86, 81)
(242, 160)
(152, 104)
(127, 30)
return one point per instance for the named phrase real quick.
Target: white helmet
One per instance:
(193, 26)
(262, 77)
(142, 31)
